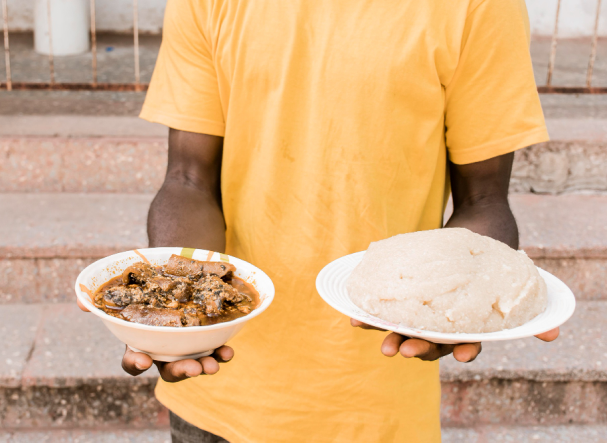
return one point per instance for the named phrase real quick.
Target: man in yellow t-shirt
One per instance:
(302, 131)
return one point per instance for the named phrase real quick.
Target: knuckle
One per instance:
(169, 377)
(129, 369)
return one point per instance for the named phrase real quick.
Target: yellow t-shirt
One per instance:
(334, 115)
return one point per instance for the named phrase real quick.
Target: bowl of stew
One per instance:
(174, 303)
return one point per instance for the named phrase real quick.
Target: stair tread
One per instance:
(72, 225)
(87, 436)
(499, 434)
(482, 434)
(96, 225)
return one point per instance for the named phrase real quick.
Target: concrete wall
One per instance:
(577, 16)
(112, 15)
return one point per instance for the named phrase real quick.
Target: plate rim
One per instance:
(443, 337)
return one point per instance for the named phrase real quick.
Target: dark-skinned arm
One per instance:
(480, 203)
(187, 212)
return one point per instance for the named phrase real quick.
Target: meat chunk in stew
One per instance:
(191, 316)
(139, 273)
(147, 315)
(124, 295)
(211, 292)
(195, 269)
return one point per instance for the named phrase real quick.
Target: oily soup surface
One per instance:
(183, 292)
(448, 280)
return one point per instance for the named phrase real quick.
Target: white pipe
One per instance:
(70, 24)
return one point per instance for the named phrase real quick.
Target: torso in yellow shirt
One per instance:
(334, 116)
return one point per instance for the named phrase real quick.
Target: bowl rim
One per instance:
(85, 299)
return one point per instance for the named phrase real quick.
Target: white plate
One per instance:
(331, 285)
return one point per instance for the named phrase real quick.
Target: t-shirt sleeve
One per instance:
(491, 103)
(184, 92)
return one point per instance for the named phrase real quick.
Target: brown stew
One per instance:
(184, 292)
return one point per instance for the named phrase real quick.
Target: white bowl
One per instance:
(166, 343)
(331, 285)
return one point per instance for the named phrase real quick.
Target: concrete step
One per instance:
(127, 164)
(484, 434)
(48, 238)
(529, 382)
(108, 149)
(87, 436)
(84, 162)
(60, 369)
(540, 434)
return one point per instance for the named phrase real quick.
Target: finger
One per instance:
(81, 306)
(549, 335)
(209, 365)
(467, 352)
(391, 344)
(179, 370)
(421, 349)
(360, 324)
(223, 354)
(135, 363)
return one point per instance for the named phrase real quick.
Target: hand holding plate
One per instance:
(424, 350)
(135, 363)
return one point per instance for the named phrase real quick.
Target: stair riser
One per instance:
(52, 280)
(558, 166)
(464, 404)
(523, 402)
(90, 406)
(39, 280)
(137, 165)
(585, 276)
(33, 164)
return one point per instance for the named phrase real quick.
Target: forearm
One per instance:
(480, 199)
(185, 216)
(491, 217)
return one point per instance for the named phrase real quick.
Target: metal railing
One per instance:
(138, 86)
(588, 88)
(94, 84)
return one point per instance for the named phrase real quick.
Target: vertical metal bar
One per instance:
(7, 53)
(594, 43)
(554, 41)
(94, 42)
(51, 61)
(136, 44)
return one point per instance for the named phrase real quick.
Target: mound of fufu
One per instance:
(448, 280)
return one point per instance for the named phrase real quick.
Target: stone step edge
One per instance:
(536, 375)
(560, 129)
(79, 126)
(574, 433)
(60, 430)
(539, 376)
(450, 434)
(97, 252)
